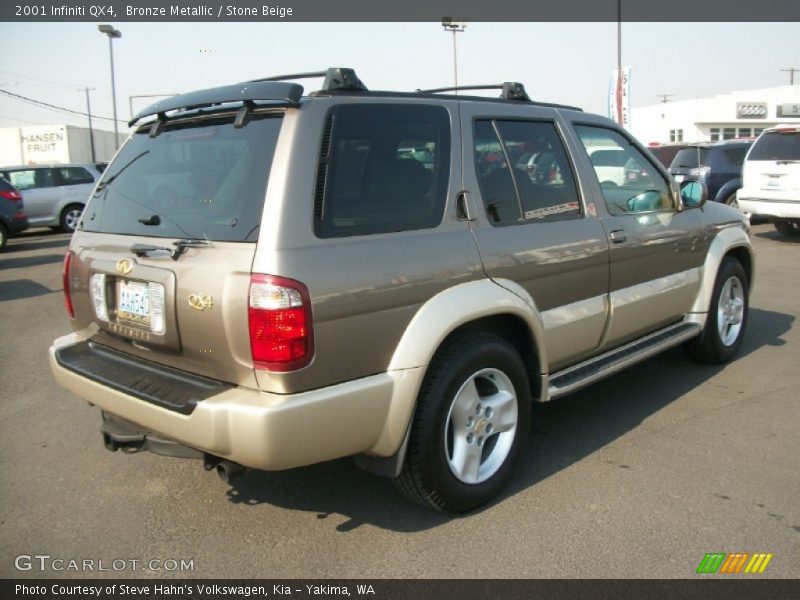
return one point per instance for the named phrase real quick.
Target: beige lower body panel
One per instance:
(258, 429)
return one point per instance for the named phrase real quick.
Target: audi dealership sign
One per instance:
(751, 110)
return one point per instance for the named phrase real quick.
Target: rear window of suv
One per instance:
(777, 145)
(198, 178)
(691, 157)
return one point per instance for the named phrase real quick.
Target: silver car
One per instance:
(54, 194)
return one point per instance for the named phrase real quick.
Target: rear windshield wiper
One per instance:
(174, 253)
(106, 182)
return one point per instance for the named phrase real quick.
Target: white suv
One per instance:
(771, 179)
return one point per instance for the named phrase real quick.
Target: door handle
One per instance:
(618, 236)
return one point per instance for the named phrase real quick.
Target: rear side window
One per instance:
(74, 175)
(198, 178)
(736, 155)
(29, 179)
(523, 173)
(382, 168)
(777, 145)
(690, 158)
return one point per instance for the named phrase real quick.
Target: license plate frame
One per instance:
(133, 302)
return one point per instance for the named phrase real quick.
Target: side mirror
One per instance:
(693, 194)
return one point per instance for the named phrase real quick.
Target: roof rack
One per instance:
(512, 90)
(336, 78)
(274, 89)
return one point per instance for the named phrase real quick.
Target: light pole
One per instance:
(112, 33)
(451, 24)
(89, 113)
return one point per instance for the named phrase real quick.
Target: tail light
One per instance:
(11, 195)
(279, 317)
(65, 281)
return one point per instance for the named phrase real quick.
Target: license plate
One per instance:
(773, 182)
(133, 301)
(679, 178)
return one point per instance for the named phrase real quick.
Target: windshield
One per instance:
(777, 145)
(201, 179)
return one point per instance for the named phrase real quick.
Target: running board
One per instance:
(580, 375)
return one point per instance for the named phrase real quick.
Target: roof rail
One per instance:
(336, 78)
(512, 90)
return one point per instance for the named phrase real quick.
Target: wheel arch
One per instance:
(731, 241)
(482, 305)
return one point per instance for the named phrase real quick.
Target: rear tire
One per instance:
(469, 427)
(727, 316)
(788, 228)
(70, 217)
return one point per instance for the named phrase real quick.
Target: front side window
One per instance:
(523, 172)
(633, 184)
(383, 168)
(74, 175)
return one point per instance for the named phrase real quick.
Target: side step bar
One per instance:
(577, 376)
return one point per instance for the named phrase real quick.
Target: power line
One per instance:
(53, 106)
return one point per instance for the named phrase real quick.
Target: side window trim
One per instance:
(558, 128)
(638, 150)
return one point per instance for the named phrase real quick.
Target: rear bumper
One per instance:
(18, 225)
(780, 209)
(256, 429)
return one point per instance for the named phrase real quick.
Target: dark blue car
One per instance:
(717, 165)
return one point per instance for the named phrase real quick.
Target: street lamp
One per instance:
(112, 33)
(456, 26)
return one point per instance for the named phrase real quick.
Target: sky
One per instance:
(569, 63)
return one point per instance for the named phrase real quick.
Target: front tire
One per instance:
(727, 316)
(470, 425)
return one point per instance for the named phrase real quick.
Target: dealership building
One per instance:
(740, 114)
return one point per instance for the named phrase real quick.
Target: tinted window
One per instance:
(196, 179)
(28, 179)
(775, 145)
(74, 175)
(736, 155)
(639, 188)
(691, 157)
(382, 168)
(523, 172)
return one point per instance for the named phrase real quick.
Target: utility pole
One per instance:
(665, 97)
(89, 112)
(791, 72)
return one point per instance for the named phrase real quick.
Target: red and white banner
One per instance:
(619, 108)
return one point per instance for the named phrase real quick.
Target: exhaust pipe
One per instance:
(228, 471)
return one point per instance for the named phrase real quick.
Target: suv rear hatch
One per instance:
(772, 168)
(160, 267)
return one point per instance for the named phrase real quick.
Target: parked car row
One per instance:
(54, 194)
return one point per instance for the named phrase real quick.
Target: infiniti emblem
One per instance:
(124, 266)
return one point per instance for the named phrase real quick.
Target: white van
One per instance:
(771, 179)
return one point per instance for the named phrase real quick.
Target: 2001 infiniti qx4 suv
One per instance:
(268, 280)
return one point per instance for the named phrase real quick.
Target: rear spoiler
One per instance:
(282, 93)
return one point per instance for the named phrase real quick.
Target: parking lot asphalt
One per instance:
(638, 476)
